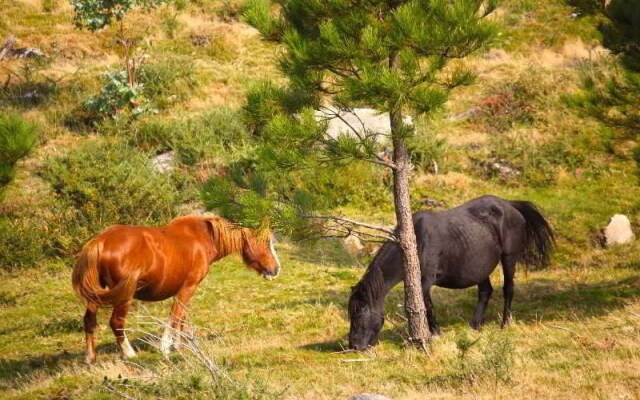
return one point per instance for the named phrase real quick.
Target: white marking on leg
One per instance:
(127, 350)
(167, 341)
(275, 256)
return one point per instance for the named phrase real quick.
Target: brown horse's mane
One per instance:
(230, 237)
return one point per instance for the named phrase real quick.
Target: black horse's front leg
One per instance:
(484, 294)
(434, 328)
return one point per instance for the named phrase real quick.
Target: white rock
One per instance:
(368, 396)
(618, 231)
(353, 245)
(360, 119)
(164, 163)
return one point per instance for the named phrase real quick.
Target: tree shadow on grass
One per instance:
(330, 346)
(535, 299)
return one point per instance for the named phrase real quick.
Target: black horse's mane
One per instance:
(367, 290)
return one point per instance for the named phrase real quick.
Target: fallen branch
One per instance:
(7, 46)
(380, 228)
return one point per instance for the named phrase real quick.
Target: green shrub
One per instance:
(100, 184)
(489, 358)
(21, 243)
(218, 134)
(426, 150)
(49, 5)
(586, 6)
(537, 164)
(28, 85)
(17, 137)
(167, 80)
(170, 24)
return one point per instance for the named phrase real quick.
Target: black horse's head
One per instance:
(365, 313)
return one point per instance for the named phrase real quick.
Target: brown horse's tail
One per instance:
(86, 279)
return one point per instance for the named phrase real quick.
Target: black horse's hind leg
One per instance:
(434, 328)
(484, 294)
(508, 270)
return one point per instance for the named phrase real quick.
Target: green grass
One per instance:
(574, 328)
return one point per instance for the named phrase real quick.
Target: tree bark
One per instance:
(414, 305)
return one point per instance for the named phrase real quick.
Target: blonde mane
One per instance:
(231, 237)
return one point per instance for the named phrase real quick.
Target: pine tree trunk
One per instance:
(414, 305)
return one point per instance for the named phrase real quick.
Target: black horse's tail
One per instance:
(539, 238)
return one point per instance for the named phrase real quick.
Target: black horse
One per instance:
(458, 248)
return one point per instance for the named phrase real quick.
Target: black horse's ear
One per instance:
(353, 289)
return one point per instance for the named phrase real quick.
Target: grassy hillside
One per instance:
(577, 323)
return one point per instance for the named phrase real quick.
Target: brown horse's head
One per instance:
(259, 253)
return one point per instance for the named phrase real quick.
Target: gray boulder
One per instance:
(362, 120)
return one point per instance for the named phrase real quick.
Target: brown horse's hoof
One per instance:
(90, 359)
(505, 324)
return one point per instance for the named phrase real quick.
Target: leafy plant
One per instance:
(97, 14)
(17, 137)
(118, 98)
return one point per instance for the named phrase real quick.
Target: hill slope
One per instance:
(512, 134)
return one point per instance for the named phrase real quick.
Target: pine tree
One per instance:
(398, 57)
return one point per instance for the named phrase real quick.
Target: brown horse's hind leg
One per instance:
(117, 323)
(173, 332)
(90, 324)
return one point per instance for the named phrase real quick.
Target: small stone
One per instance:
(164, 163)
(368, 396)
(353, 245)
(618, 231)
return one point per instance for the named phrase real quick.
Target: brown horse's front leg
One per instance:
(117, 323)
(173, 331)
(90, 324)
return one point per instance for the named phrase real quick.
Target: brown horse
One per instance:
(155, 263)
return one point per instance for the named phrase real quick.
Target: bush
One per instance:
(100, 184)
(217, 134)
(426, 150)
(536, 163)
(586, 6)
(17, 137)
(21, 243)
(167, 80)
